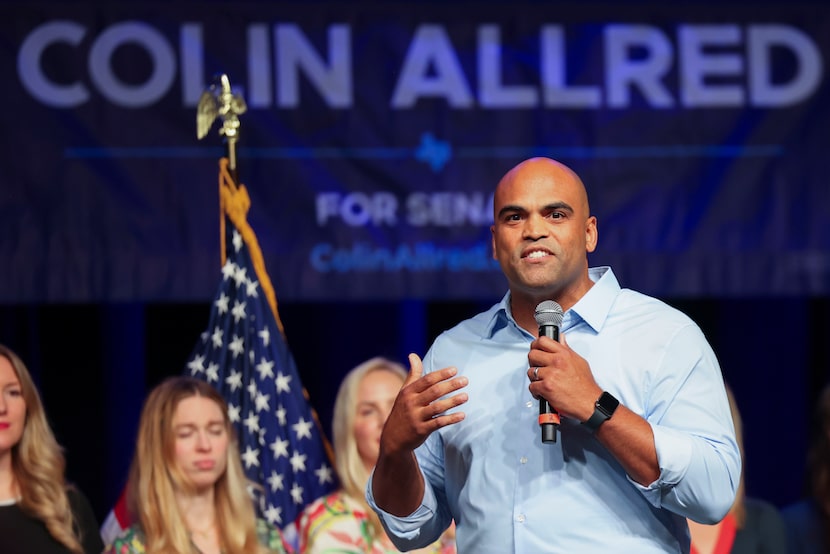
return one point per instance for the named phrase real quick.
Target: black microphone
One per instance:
(548, 317)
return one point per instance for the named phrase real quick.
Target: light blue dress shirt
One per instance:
(509, 492)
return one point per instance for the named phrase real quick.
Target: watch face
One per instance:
(607, 403)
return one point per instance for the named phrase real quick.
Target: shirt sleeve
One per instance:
(694, 436)
(418, 529)
(426, 524)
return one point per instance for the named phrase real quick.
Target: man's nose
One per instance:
(535, 226)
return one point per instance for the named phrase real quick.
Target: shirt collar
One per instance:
(500, 316)
(592, 308)
(595, 305)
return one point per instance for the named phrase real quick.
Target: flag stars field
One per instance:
(237, 346)
(237, 241)
(222, 304)
(217, 337)
(238, 311)
(282, 383)
(250, 288)
(212, 373)
(196, 365)
(324, 474)
(279, 447)
(234, 380)
(228, 271)
(275, 482)
(302, 428)
(233, 414)
(297, 494)
(272, 514)
(252, 422)
(263, 401)
(250, 457)
(240, 276)
(298, 461)
(265, 368)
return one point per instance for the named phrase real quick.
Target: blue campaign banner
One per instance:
(375, 134)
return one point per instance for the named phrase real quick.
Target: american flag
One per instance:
(243, 353)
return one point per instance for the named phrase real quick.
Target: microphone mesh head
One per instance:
(548, 313)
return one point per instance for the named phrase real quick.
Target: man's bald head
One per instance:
(544, 171)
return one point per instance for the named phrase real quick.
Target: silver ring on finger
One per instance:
(536, 373)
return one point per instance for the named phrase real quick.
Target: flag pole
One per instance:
(219, 102)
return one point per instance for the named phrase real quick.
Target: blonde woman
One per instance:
(187, 490)
(39, 512)
(342, 522)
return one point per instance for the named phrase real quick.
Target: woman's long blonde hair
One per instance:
(350, 467)
(38, 464)
(155, 477)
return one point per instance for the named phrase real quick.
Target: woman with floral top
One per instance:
(342, 522)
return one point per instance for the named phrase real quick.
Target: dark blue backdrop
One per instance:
(375, 132)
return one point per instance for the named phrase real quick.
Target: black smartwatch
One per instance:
(604, 409)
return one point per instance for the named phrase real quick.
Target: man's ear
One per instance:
(591, 234)
(493, 240)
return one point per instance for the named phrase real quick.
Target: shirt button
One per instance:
(529, 404)
(523, 459)
(520, 518)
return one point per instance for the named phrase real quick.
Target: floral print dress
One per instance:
(336, 524)
(133, 541)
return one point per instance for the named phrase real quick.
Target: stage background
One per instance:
(374, 136)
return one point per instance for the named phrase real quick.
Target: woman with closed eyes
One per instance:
(187, 490)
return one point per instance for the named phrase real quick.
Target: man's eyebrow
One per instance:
(559, 206)
(511, 208)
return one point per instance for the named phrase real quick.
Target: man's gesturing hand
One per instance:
(397, 484)
(419, 408)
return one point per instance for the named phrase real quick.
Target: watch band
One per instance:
(604, 408)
